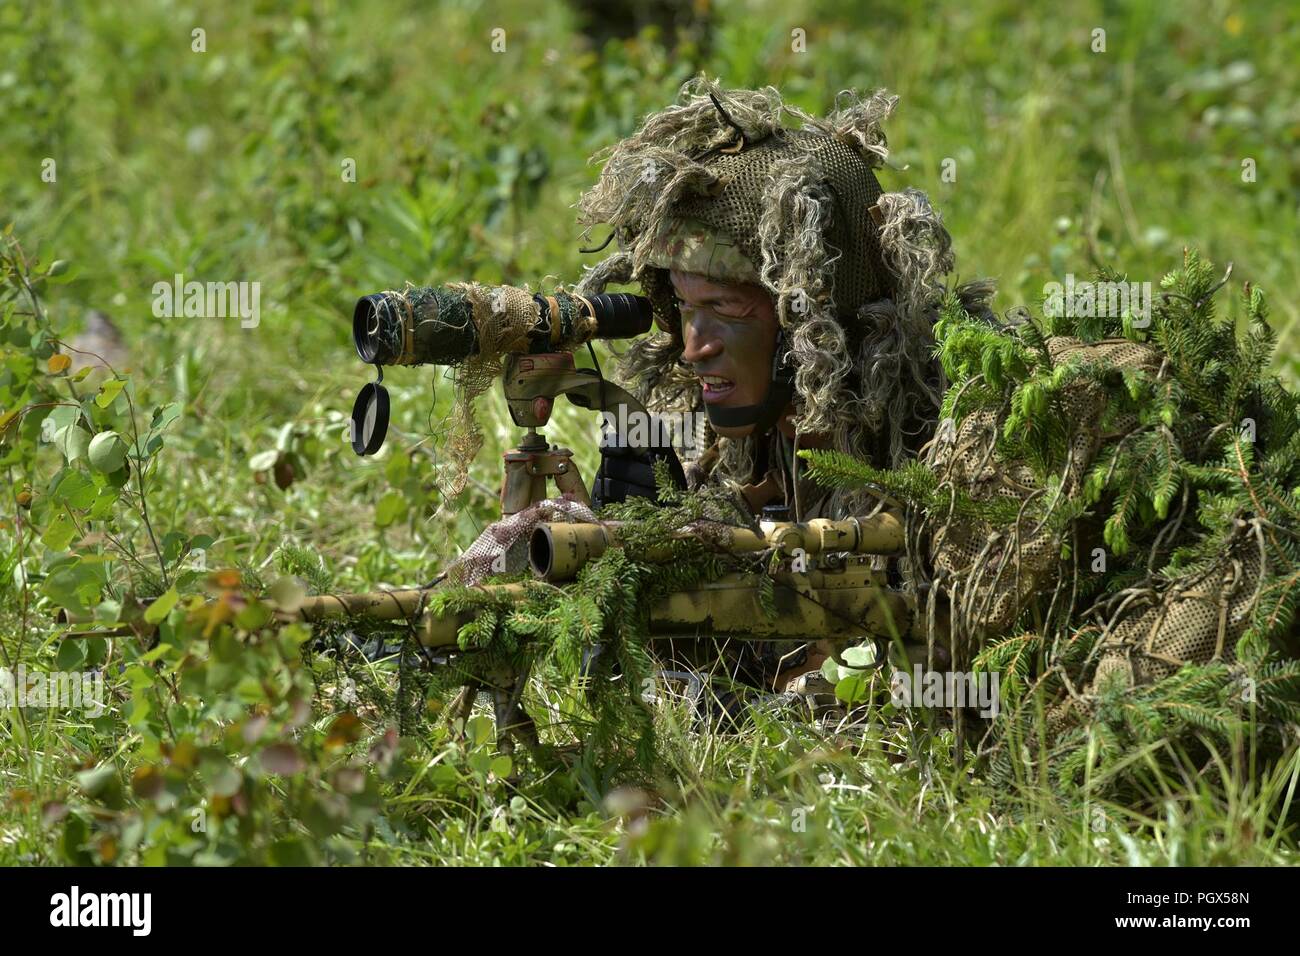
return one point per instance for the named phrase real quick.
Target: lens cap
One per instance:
(370, 419)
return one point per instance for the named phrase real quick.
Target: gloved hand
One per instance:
(629, 473)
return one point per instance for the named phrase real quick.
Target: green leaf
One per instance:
(72, 844)
(479, 729)
(75, 490)
(60, 533)
(861, 656)
(65, 274)
(160, 608)
(97, 781)
(75, 586)
(290, 851)
(398, 467)
(156, 654)
(109, 391)
(72, 442)
(173, 545)
(223, 779)
(95, 650)
(391, 507)
(140, 711)
(164, 415)
(71, 655)
(103, 506)
(107, 451)
(263, 460)
(59, 419)
(285, 437)
(852, 689)
(254, 617)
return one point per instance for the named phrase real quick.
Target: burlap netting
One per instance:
(503, 317)
(993, 571)
(1196, 620)
(738, 208)
(502, 547)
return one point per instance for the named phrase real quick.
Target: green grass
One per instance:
(225, 165)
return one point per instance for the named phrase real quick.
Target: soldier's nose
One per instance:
(700, 348)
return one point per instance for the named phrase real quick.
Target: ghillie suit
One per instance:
(720, 184)
(1108, 518)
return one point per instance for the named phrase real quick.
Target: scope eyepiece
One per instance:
(621, 315)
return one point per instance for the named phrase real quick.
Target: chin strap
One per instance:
(780, 391)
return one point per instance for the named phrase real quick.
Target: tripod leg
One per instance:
(513, 722)
(463, 704)
(570, 482)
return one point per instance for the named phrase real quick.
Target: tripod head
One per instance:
(531, 384)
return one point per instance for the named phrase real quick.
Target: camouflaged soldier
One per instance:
(794, 298)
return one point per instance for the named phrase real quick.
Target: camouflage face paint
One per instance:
(730, 336)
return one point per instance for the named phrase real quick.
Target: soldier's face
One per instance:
(730, 336)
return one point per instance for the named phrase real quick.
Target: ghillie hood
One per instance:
(856, 273)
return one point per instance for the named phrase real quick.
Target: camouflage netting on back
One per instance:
(1108, 514)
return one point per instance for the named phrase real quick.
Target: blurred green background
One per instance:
(226, 165)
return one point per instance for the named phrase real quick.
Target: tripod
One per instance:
(531, 384)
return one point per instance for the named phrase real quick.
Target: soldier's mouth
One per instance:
(716, 387)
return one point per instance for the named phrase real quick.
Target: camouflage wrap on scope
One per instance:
(469, 327)
(446, 325)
